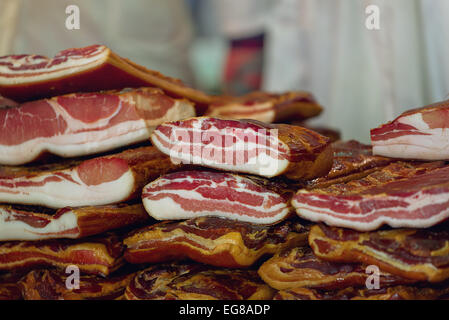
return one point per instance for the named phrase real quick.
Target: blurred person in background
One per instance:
(154, 33)
(362, 77)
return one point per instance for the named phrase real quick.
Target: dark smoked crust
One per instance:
(352, 160)
(384, 293)
(300, 267)
(168, 241)
(51, 285)
(419, 254)
(190, 281)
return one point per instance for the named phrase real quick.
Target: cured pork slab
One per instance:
(300, 267)
(213, 241)
(266, 107)
(98, 181)
(416, 134)
(352, 160)
(35, 223)
(85, 123)
(9, 287)
(97, 255)
(420, 254)
(402, 194)
(94, 68)
(246, 146)
(386, 293)
(51, 285)
(196, 282)
(191, 194)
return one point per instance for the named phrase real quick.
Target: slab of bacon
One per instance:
(213, 241)
(191, 194)
(420, 254)
(402, 194)
(85, 123)
(9, 287)
(416, 134)
(266, 107)
(352, 160)
(93, 68)
(98, 255)
(51, 285)
(196, 282)
(36, 223)
(386, 293)
(98, 181)
(300, 267)
(246, 146)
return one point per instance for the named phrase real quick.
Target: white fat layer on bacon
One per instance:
(73, 65)
(263, 164)
(12, 229)
(259, 111)
(167, 209)
(352, 221)
(66, 193)
(432, 146)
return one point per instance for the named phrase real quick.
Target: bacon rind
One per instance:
(213, 241)
(266, 107)
(88, 69)
(85, 123)
(29, 223)
(97, 181)
(191, 194)
(196, 281)
(419, 254)
(352, 160)
(51, 285)
(246, 146)
(97, 255)
(412, 195)
(300, 267)
(416, 134)
(384, 293)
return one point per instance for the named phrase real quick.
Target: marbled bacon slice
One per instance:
(98, 255)
(266, 107)
(191, 194)
(27, 77)
(416, 134)
(37, 223)
(300, 267)
(419, 254)
(196, 282)
(52, 285)
(81, 124)
(246, 146)
(402, 194)
(97, 181)
(213, 241)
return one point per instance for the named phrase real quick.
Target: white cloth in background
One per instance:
(154, 33)
(362, 77)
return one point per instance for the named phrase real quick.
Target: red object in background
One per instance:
(244, 66)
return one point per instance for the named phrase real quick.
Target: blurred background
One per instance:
(362, 77)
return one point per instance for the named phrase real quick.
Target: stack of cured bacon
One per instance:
(148, 189)
(75, 156)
